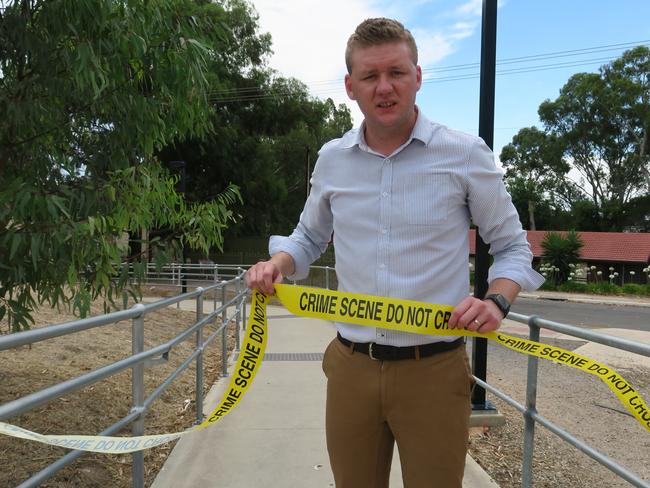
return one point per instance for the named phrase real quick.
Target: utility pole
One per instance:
(486, 132)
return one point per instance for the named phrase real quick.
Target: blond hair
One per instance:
(372, 32)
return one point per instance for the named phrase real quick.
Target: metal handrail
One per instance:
(137, 361)
(529, 411)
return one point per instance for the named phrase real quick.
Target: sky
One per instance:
(309, 40)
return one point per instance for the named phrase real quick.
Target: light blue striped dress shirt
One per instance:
(401, 222)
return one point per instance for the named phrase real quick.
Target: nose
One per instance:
(384, 85)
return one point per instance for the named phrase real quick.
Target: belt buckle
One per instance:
(370, 352)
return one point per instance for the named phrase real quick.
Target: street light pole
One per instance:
(486, 132)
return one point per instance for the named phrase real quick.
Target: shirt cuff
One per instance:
(527, 278)
(300, 260)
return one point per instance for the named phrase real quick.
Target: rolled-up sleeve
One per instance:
(495, 216)
(312, 235)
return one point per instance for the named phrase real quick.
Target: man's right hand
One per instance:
(263, 276)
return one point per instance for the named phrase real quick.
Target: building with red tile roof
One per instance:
(624, 251)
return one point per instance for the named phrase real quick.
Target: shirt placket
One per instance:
(383, 247)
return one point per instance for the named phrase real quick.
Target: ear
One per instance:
(418, 71)
(348, 87)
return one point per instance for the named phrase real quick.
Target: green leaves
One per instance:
(599, 126)
(89, 91)
(560, 252)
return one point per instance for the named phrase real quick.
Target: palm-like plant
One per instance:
(560, 251)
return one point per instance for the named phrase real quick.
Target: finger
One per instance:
(268, 279)
(258, 277)
(250, 277)
(263, 280)
(489, 326)
(471, 313)
(458, 312)
(478, 322)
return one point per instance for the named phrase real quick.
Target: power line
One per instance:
(262, 95)
(526, 69)
(251, 93)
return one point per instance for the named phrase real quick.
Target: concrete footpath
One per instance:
(275, 438)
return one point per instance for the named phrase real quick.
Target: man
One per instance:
(398, 194)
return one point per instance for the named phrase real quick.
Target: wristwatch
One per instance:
(501, 302)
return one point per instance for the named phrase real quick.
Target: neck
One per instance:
(385, 140)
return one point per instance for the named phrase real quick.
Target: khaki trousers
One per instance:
(422, 404)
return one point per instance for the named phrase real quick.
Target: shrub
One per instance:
(572, 286)
(634, 289)
(561, 251)
(604, 288)
(548, 285)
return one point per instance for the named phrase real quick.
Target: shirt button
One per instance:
(385, 194)
(384, 230)
(382, 265)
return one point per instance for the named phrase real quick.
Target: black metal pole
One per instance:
(486, 132)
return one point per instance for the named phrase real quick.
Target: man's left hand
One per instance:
(476, 315)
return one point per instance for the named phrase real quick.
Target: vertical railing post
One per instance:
(240, 289)
(531, 408)
(327, 277)
(137, 391)
(174, 265)
(199, 359)
(224, 331)
(243, 315)
(214, 292)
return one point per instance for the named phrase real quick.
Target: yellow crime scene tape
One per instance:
(388, 313)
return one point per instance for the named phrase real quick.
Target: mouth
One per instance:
(386, 104)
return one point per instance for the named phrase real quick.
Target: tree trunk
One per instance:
(531, 215)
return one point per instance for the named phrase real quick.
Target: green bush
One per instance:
(572, 286)
(601, 288)
(560, 251)
(604, 288)
(548, 286)
(634, 289)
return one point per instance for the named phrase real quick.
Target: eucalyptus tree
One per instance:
(90, 91)
(602, 121)
(536, 173)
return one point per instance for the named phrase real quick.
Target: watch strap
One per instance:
(501, 302)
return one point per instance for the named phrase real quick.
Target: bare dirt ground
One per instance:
(91, 410)
(579, 403)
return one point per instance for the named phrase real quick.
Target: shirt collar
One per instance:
(422, 131)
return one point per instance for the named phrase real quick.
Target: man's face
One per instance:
(383, 82)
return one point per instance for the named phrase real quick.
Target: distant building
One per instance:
(628, 253)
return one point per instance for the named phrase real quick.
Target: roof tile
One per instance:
(620, 247)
